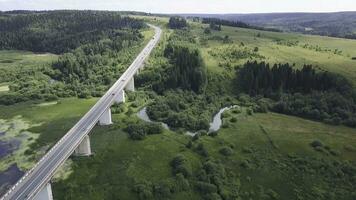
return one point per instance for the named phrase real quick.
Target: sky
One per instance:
(186, 6)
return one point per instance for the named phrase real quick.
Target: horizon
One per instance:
(186, 6)
(296, 12)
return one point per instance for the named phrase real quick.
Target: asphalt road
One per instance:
(37, 178)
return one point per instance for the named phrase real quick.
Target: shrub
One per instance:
(205, 187)
(139, 130)
(202, 150)
(181, 165)
(233, 120)
(226, 151)
(316, 143)
(249, 111)
(182, 184)
(212, 196)
(163, 190)
(213, 133)
(144, 190)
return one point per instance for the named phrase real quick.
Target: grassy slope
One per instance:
(119, 163)
(275, 53)
(24, 59)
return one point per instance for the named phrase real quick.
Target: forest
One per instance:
(302, 92)
(177, 23)
(60, 31)
(183, 99)
(219, 22)
(96, 48)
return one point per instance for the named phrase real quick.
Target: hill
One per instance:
(340, 24)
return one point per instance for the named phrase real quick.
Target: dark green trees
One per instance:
(302, 92)
(188, 70)
(60, 31)
(177, 23)
(259, 78)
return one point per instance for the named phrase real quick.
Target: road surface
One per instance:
(37, 178)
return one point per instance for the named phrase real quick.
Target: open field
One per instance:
(274, 52)
(273, 47)
(10, 59)
(120, 163)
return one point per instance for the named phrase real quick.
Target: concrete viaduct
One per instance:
(35, 184)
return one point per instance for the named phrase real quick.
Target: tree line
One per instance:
(215, 22)
(259, 78)
(302, 92)
(177, 23)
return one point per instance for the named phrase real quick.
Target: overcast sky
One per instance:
(186, 6)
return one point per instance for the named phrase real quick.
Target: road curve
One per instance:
(36, 178)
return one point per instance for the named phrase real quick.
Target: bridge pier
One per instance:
(120, 97)
(45, 193)
(130, 85)
(105, 118)
(84, 148)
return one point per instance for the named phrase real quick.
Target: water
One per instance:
(9, 177)
(7, 147)
(215, 125)
(142, 114)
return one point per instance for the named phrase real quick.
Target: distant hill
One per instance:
(339, 24)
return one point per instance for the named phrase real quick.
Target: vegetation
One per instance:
(138, 131)
(39, 32)
(216, 23)
(257, 154)
(305, 92)
(188, 71)
(338, 24)
(177, 23)
(97, 45)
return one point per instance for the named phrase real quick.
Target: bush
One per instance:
(233, 120)
(213, 133)
(249, 111)
(202, 150)
(139, 130)
(205, 187)
(182, 184)
(144, 190)
(180, 165)
(316, 143)
(226, 151)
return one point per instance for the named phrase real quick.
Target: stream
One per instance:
(215, 125)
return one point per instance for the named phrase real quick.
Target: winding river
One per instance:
(215, 125)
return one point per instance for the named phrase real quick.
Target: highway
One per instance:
(37, 178)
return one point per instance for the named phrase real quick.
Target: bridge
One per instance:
(35, 184)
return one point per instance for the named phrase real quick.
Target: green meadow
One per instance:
(13, 59)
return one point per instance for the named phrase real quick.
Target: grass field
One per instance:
(10, 59)
(274, 52)
(273, 46)
(268, 143)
